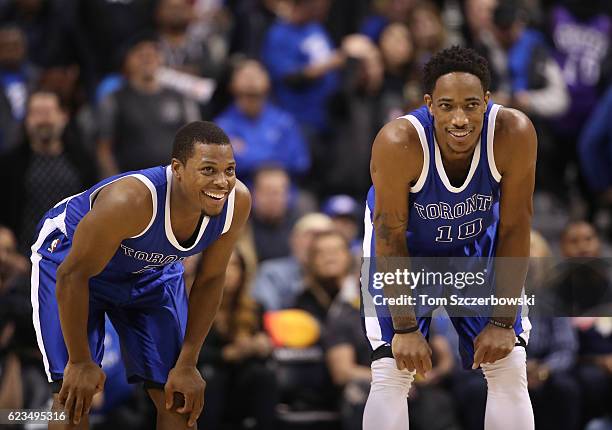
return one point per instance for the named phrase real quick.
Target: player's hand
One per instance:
(187, 381)
(411, 351)
(81, 381)
(492, 344)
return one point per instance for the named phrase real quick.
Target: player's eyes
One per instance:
(472, 105)
(444, 106)
(230, 171)
(208, 170)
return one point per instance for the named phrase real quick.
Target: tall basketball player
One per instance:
(116, 249)
(426, 168)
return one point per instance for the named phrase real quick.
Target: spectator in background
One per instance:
(261, 133)
(280, 280)
(401, 86)
(16, 78)
(272, 218)
(478, 20)
(595, 366)
(181, 48)
(583, 283)
(252, 19)
(346, 215)
(551, 354)
(46, 167)
(357, 113)
(302, 63)
(239, 385)
(328, 268)
(104, 27)
(23, 383)
(347, 354)
(328, 271)
(384, 13)
(581, 42)
(428, 31)
(138, 121)
(595, 149)
(524, 75)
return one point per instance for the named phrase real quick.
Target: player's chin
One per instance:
(213, 208)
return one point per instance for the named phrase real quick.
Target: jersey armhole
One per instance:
(490, 139)
(423, 139)
(229, 214)
(145, 181)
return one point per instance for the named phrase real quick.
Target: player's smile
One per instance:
(460, 135)
(215, 198)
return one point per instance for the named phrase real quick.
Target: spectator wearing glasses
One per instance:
(261, 133)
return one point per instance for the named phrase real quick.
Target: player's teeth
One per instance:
(216, 196)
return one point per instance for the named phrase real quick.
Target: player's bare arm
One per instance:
(397, 161)
(121, 210)
(204, 300)
(515, 152)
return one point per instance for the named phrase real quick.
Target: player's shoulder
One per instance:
(515, 138)
(128, 198)
(399, 135)
(124, 207)
(510, 122)
(397, 150)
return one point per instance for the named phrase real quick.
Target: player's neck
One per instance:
(456, 165)
(184, 217)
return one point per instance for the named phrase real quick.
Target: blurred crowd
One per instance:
(92, 88)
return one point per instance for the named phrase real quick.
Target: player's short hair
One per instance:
(456, 59)
(196, 132)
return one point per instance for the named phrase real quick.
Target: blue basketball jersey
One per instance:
(155, 250)
(445, 220)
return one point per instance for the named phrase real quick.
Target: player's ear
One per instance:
(177, 168)
(487, 97)
(428, 102)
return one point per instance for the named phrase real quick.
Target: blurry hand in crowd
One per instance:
(605, 362)
(262, 346)
(537, 374)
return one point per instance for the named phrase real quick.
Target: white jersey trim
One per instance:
(372, 325)
(168, 224)
(490, 139)
(49, 226)
(442, 172)
(142, 179)
(423, 139)
(229, 214)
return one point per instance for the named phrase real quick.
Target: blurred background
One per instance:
(92, 88)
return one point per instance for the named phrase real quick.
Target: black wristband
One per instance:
(405, 330)
(500, 324)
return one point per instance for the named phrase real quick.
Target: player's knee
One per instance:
(509, 374)
(386, 376)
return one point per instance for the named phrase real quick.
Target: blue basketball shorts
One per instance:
(148, 311)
